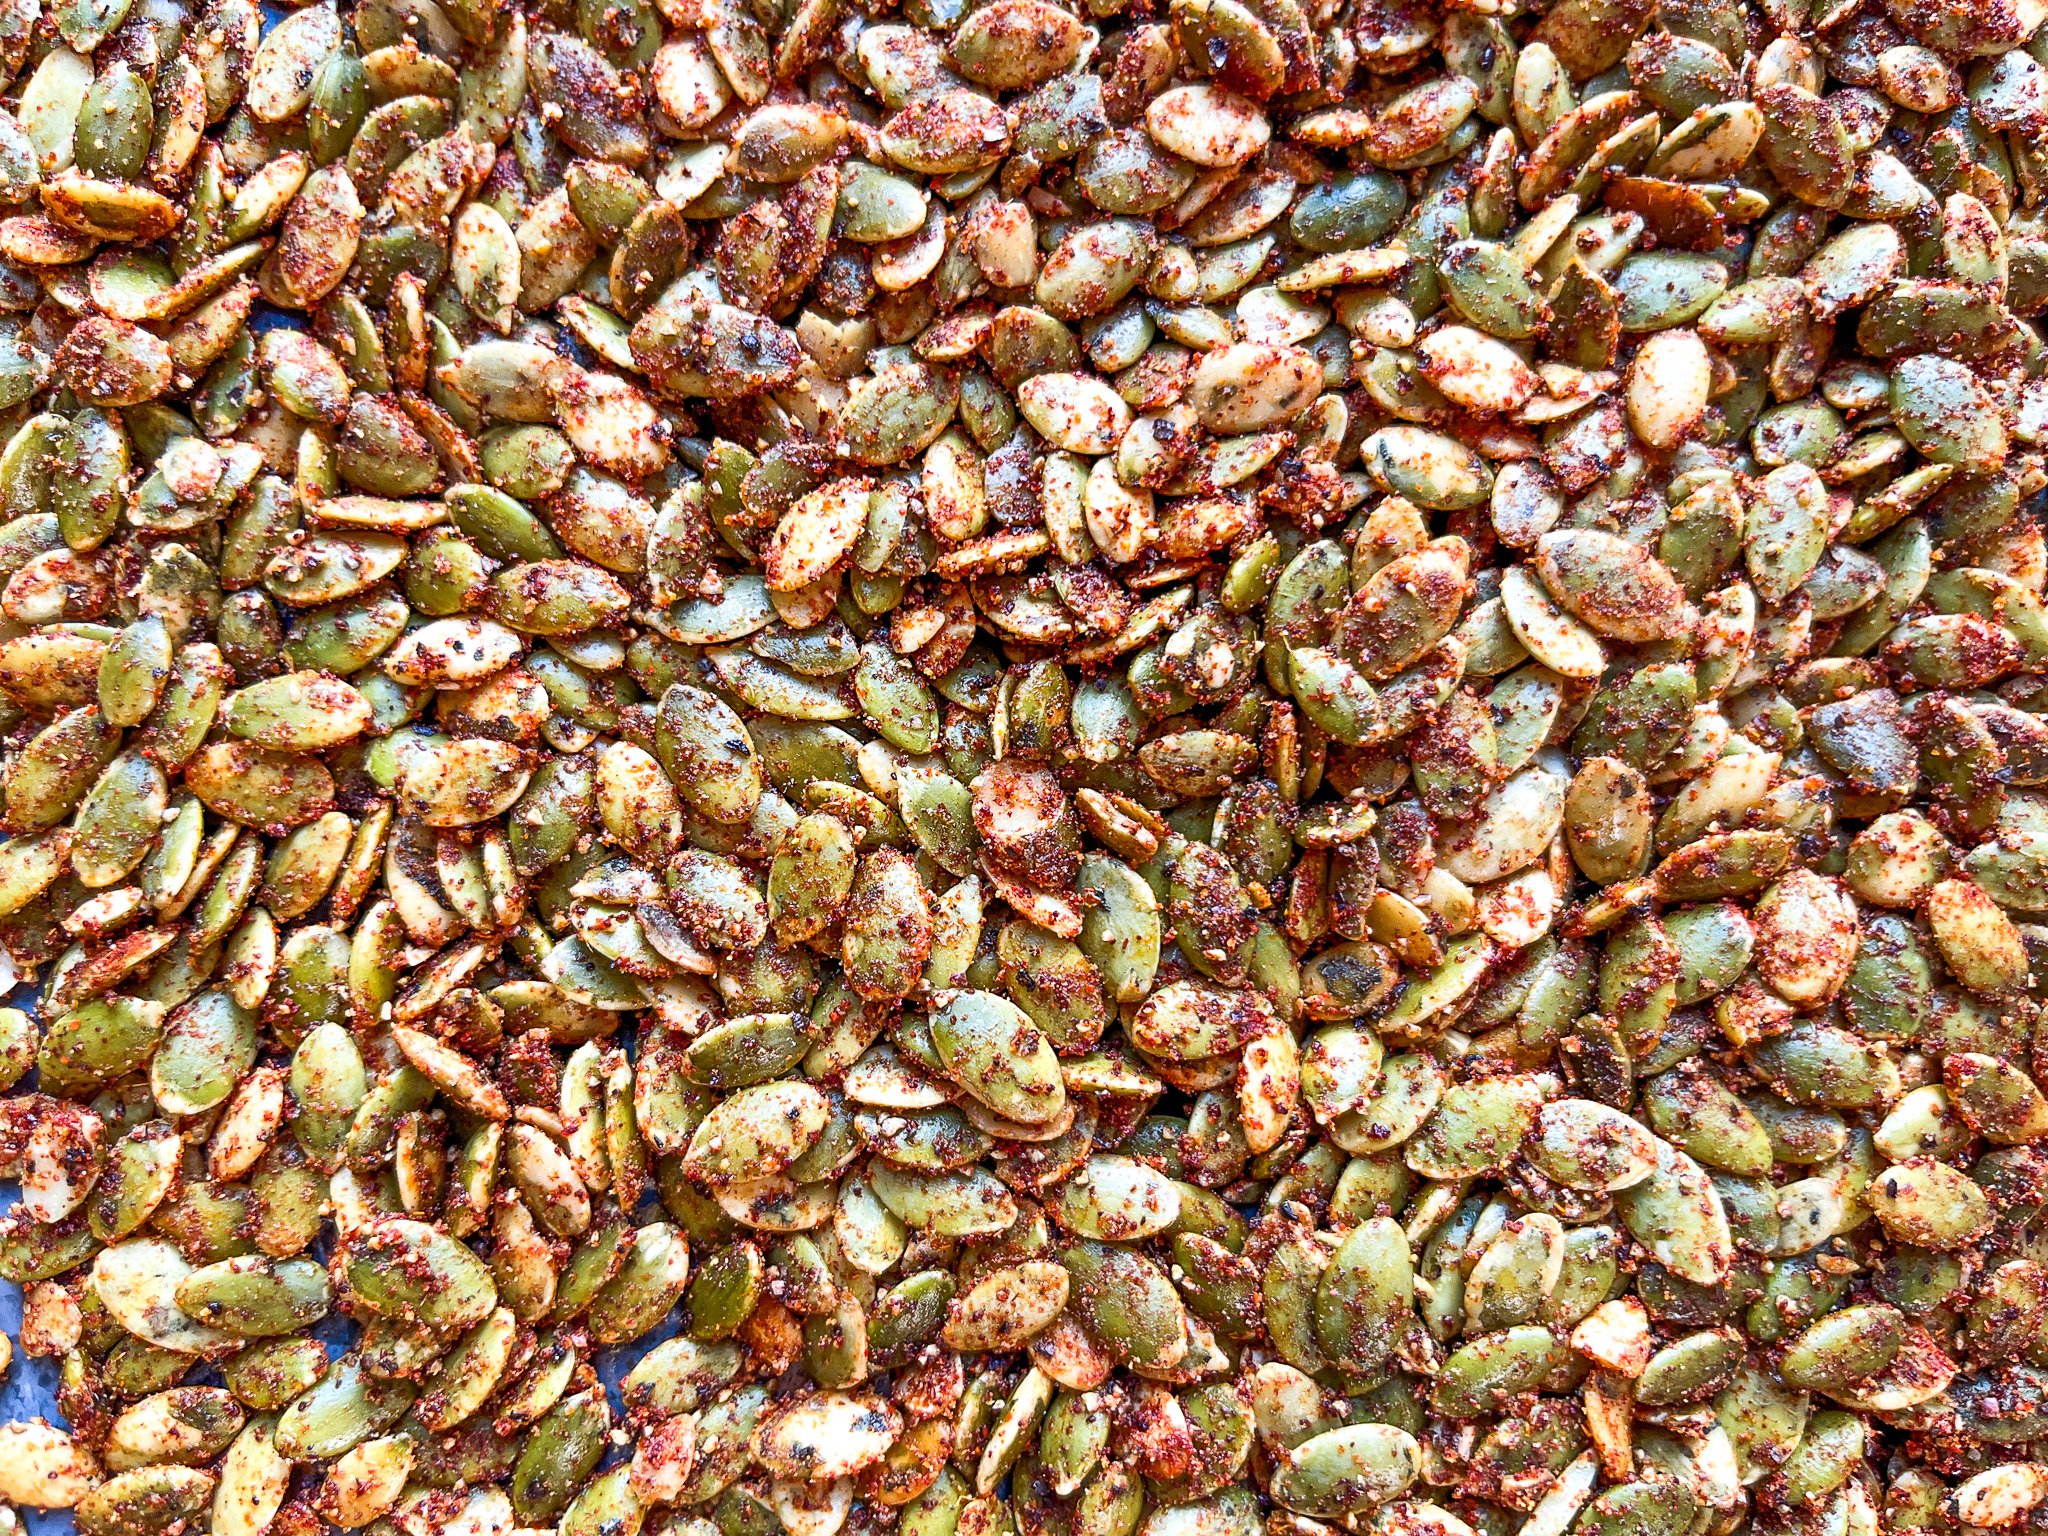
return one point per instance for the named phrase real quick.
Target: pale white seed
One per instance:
(1074, 411)
(1208, 124)
(1668, 385)
(1474, 370)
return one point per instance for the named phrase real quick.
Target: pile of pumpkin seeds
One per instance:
(1228, 768)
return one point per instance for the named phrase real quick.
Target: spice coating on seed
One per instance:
(1175, 769)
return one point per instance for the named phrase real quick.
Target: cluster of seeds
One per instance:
(1216, 768)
